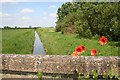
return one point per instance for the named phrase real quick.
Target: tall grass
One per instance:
(0, 40)
(59, 44)
(17, 41)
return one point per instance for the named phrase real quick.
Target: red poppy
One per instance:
(79, 50)
(94, 52)
(103, 40)
(74, 54)
(83, 48)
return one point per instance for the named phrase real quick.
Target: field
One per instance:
(17, 41)
(0, 40)
(21, 41)
(59, 44)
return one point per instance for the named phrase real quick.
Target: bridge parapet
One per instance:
(61, 64)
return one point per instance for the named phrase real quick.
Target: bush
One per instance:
(96, 18)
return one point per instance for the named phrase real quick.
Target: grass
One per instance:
(0, 40)
(17, 41)
(59, 44)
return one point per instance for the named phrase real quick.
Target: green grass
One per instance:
(17, 41)
(0, 40)
(59, 44)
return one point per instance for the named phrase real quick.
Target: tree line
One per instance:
(88, 19)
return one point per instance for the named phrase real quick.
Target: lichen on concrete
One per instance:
(63, 64)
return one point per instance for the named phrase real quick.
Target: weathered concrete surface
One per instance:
(17, 76)
(60, 64)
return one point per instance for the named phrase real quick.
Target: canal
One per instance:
(38, 46)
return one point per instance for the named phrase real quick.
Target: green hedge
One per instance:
(90, 19)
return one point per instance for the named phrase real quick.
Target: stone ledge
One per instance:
(60, 63)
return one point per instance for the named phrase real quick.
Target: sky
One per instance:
(23, 14)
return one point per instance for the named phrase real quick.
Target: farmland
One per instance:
(21, 41)
(56, 43)
(17, 41)
(1, 40)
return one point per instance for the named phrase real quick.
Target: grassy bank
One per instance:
(17, 41)
(56, 43)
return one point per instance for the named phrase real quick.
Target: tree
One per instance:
(94, 18)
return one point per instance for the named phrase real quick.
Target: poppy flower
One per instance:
(94, 52)
(79, 50)
(74, 54)
(103, 40)
(83, 48)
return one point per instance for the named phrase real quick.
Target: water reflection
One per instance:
(38, 46)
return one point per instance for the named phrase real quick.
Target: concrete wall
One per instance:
(60, 64)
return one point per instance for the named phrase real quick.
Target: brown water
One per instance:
(38, 46)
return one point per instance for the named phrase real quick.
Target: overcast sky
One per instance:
(24, 13)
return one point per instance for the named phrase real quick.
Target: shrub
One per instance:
(96, 18)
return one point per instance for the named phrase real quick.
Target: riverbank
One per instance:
(59, 44)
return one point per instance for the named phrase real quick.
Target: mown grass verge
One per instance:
(17, 41)
(59, 44)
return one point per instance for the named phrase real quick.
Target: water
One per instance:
(38, 46)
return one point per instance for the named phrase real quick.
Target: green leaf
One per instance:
(40, 75)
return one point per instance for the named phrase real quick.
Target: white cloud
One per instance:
(26, 10)
(14, 1)
(54, 15)
(26, 18)
(3, 1)
(4, 14)
(52, 6)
